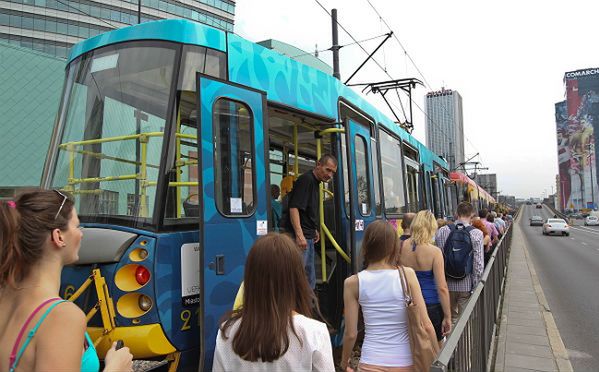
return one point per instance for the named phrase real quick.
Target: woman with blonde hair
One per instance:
(426, 259)
(273, 330)
(378, 291)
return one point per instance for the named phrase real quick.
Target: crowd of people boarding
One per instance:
(298, 338)
(427, 273)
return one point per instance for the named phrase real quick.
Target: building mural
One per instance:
(577, 121)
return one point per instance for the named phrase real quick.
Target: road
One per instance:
(568, 270)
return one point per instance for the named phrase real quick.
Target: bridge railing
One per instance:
(470, 345)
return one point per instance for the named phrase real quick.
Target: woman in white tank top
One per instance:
(377, 290)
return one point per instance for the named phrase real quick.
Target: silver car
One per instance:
(591, 221)
(556, 226)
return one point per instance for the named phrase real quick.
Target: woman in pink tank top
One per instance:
(39, 234)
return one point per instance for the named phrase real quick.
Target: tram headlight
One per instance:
(144, 302)
(142, 275)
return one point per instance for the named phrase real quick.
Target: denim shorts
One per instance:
(435, 313)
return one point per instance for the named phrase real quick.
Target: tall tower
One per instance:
(53, 26)
(445, 125)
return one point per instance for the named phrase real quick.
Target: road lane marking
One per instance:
(583, 243)
(586, 229)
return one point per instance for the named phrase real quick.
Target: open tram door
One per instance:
(234, 196)
(362, 210)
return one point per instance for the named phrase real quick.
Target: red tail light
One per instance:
(142, 275)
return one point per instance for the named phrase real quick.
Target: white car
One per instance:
(591, 221)
(556, 226)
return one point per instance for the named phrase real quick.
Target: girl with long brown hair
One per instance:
(39, 234)
(378, 291)
(274, 330)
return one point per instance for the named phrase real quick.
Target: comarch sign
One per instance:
(582, 73)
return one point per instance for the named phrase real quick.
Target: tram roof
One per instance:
(277, 67)
(176, 30)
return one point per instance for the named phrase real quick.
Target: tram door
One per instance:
(362, 210)
(233, 187)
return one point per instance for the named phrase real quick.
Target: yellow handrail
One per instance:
(324, 231)
(111, 139)
(72, 149)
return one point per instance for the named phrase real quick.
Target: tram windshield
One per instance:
(111, 127)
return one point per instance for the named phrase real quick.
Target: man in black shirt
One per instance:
(303, 210)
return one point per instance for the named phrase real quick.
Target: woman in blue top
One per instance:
(426, 259)
(39, 234)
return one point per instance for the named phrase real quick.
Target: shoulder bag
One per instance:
(424, 349)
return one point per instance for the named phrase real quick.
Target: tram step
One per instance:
(150, 365)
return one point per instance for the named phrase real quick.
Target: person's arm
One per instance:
(442, 290)
(419, 302)
(118, 360)
(351, 310)
(297, 228)
(494, 234)
(60, 339)
(478, 263)
(322, 357)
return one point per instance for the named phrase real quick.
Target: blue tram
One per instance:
(169, 135)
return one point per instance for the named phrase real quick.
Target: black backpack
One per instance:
(458, 251)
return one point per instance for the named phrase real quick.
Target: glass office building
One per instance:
(445, 125)
(53, 26)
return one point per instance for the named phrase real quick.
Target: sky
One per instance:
(506, 59)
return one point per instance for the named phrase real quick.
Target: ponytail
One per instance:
(10, 253)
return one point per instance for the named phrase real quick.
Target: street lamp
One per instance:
(562, 181)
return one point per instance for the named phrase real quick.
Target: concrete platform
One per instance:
(528, 337)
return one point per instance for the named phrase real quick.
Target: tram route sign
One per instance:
(190, 274)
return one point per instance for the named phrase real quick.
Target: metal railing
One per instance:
(470, 345)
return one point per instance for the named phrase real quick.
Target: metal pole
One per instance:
(138, 11)
(335, 48)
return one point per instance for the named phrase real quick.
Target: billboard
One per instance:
(577, 121)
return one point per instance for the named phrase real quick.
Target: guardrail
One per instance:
(470, 345)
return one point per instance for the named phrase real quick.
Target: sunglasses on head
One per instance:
(64, 199)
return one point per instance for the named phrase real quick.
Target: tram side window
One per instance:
(362, 175)
(183, 193)
(375, 175)
(412, 183)
(199, 59)
(234, 158)
(393, 192)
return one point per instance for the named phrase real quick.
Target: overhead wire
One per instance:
(383, 69)
(340, 46)
(419, 72)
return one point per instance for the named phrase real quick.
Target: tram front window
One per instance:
(112, 124)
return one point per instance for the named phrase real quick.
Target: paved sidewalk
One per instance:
(528, 337)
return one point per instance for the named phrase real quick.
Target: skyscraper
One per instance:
(53, 26)
(445, 125)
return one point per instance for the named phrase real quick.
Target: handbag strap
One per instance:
(404, 285)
